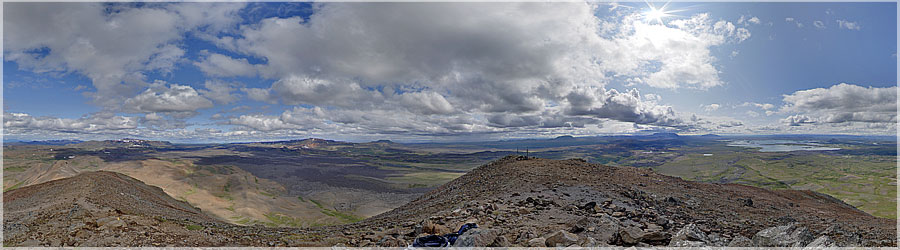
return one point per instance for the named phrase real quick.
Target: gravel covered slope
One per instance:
(515, 201)
(534, 198)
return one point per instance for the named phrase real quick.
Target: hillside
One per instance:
(528, 199)
(97, 208)
(225, 192)
(515, 202)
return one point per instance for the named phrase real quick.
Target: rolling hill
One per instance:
(514, 200)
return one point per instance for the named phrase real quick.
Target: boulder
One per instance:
(783, 236)
(654, 236)
(500, 241)
(434, 228)
(740, 241)
(583, 224)
(389, 241)
(690, 233)
(821, 242)
(631, 235)
(663, 222)
(561, 238)
(537, 242)
(477, 238)
(603, 229)
(526, 234)
(687, 243)
(587, 242)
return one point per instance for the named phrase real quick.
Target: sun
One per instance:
(656, 14)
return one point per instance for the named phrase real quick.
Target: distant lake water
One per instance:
(779, 145)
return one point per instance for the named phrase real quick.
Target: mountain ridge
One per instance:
(516, 201)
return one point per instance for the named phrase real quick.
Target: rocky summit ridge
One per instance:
(515, 201)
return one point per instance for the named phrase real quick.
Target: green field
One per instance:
(867, 182)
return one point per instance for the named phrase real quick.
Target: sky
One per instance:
(229, 72)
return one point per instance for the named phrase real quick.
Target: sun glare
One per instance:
(656, 14)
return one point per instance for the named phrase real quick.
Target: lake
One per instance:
(779, 145)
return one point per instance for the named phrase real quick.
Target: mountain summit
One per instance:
(515, 201)
(540, 202)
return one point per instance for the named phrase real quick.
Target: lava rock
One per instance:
(389, 241)
(783, 236)
(561, 239)
(630, 235)
(822, 241)
(430, 227)
(477, 238)
(687, 243)
(500, 241)
(537, 242)
(690, 232)
(740, 241)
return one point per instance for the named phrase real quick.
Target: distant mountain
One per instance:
(126, 142)
(47, 142)
(307, 143)
(664, 135)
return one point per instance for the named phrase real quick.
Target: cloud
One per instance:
(844, 24)
(819, 24)
(842, 103)
(753, 20)
(300, 119)
(218, 65)
(157, 121)
(172, 99)
(711, 107)
(220, 92)
(497, 65)
(489, 48)
(748, 20)
(682, 54)
(19, 123)
(712, 124)
(621, 106)
(114, 45)
(730, 124)
(260, 122)
(354, 68)
(343, 92)
(795, 21)
(763, 106)
(427, 103)
(104, 125)
(797, 120)
(258, 94)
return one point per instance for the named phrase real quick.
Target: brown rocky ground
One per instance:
(515, 201)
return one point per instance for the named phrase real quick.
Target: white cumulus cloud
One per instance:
(168, 99)
(842, 103)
